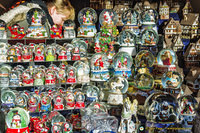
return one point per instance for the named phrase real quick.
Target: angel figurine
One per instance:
(128, 110)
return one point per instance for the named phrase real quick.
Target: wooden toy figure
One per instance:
(56, 31)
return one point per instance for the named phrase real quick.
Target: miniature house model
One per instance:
(187, 8)
(193, 78)
(164, 11)
(190, 25)
(172, 28)
(177, 44)
(191, 56)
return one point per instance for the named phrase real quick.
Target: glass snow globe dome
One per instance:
(87, 16)
(161, 107)
(108, 17)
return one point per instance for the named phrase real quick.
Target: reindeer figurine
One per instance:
(129, 109)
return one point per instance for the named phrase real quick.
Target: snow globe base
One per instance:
(87, 31)
(99, 75)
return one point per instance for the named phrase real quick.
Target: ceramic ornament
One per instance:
(99, 67)
(87, 18)
(69, 32)
(36, 18)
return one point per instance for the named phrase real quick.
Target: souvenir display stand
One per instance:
(107, 79)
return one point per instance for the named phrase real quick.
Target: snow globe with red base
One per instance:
(69, 100)
(71, 75)
(58, 102)
(39, 52)
(87, 17)
(80, 100)
(99, 67)
(17, 121)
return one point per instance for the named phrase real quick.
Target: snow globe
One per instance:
(14, 78)
(99, 67)
(39, 75)
(27, 78)
(58, 102)
(39, 52)
(36, 18)
(144, 59)
(7, 98)
(45, 103)
(69, 100)
(50, 77)
(149, 18)
(87, 18)
(187, 110)
(3, 51)
(122, 63)
(17, 32)
(62, 54)
(127, 41)
(21, 101)
(118, 86)
(3, 34)
(50, 52)
(67, 127)
(83, 72)
(69, 32)
(4, 76)
(12, 54)
(131, 19)
(161, 111)
(80, 50)
(61, 76)
(27, 53)
(172, 80)
(71, 75)
(92, 93)
(80, 98)
(69, 47)
(56, 31)
(17, 120)
(144, 81)
(33, 103)
(149, 38)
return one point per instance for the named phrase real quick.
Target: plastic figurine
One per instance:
(56, 31)
(58, 102)
(87, 17)
(17, 32)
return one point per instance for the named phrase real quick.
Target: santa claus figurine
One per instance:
(16, 121)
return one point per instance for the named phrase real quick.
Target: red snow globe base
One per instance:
(19, 130)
